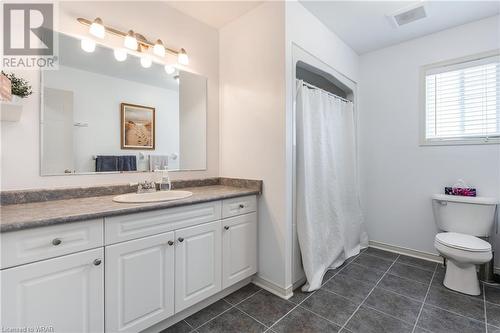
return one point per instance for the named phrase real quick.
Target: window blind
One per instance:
(462, 101)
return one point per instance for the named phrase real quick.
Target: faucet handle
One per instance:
(146, 186)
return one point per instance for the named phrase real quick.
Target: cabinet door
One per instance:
(64, 293)
(197, 264)
(239, 248)
(139, 283)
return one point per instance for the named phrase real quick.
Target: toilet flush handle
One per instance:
(443, 203)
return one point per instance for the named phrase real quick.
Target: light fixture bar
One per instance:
(116, 32)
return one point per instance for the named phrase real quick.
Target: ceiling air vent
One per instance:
(408, 15)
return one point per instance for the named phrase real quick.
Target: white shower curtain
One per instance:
(329, 220)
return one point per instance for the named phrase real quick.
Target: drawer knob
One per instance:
(97, 262)
(180, 239)
(170, 243)
(226, 227)
(56, 241)
(242, 206)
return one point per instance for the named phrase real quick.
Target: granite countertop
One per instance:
(37, 214)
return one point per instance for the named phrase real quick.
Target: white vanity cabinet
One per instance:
(126, 273)
(64, 293)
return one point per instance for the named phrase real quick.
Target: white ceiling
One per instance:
(365, 27)
(214, 13)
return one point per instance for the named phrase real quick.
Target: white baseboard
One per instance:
(412, 253)
(284, 293)
(406, 251)
(299, 282)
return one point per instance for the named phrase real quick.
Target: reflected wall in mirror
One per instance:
(103, 115)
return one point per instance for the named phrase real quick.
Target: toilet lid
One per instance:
(463, 242)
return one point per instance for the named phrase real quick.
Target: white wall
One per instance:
(398, 175)
(252, 129)
(257, 78)
(96, 102)
(20, 141)
(309, 33)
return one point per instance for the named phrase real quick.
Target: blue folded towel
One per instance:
(127, 163)
(106, 163)
(115, 163)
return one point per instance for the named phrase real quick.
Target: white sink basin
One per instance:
(152, 197)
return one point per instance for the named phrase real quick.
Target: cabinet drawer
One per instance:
(132, 226)
(21, 247)
(238, 206)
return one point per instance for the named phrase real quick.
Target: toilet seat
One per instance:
(463, 242)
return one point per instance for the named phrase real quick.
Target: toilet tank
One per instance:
(467, 215)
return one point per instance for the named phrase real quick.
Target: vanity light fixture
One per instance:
(120, 54)
(130, 42)
(169, 69)
(88, 45)
(159, 48)
(138, 42)
(182, 58)
(146, 61)
(97, 29)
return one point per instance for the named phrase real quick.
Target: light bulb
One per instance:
(182, 57)
(120, 54)
(159, 48)
(88, 45)
(97, 28)
(146, 61)
(169, 69)
(130, 42)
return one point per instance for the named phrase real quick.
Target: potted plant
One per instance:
(20, 88)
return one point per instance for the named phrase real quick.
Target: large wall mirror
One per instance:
(99, 114)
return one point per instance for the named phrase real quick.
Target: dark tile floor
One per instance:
(376, 291)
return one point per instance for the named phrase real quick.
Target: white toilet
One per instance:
(463, 219)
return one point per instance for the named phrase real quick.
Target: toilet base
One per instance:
(461, 277)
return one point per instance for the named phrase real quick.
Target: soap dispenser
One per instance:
(165, 184)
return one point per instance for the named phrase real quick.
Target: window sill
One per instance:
(460, 142)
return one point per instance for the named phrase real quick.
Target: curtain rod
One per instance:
(327, 92)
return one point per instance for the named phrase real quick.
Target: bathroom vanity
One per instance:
(93, 265)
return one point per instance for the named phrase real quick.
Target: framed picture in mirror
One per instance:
(137, 126)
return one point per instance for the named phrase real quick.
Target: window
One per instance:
(462, 102)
